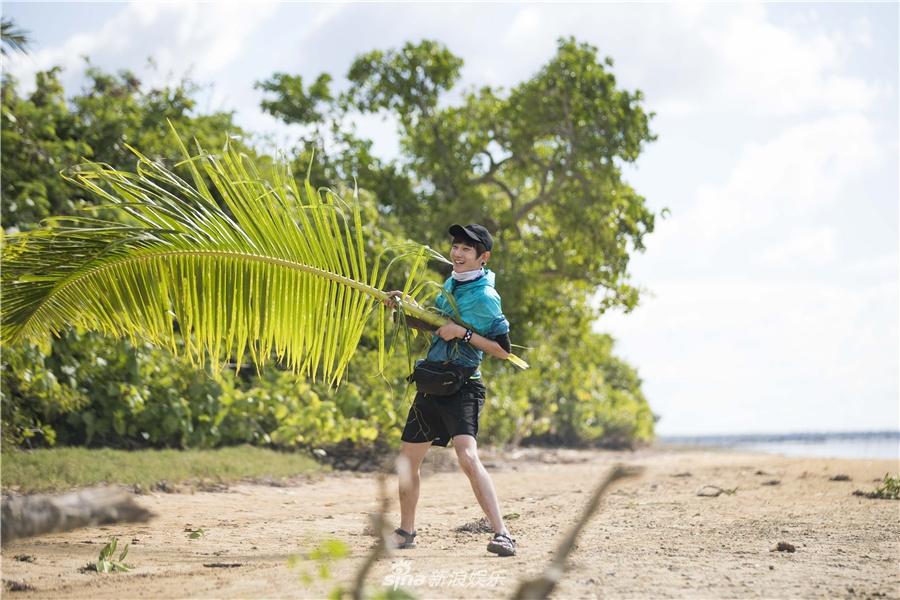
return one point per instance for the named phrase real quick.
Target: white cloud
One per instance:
(861, 32)
(800, 172)
(212, 35)
(110, 37)
(524, 27)
(804, 247)
(759, 319)
(716, 58)
(769, 69)
(207, 37)
(755, 355)
(885, 266)
(698, 58)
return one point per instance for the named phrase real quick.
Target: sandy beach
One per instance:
(654, 536)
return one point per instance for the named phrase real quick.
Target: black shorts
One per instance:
(437, 419)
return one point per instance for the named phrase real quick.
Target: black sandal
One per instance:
(502, 545)
(409, 539)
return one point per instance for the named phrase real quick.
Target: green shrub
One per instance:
(95, 391)
(576, 393)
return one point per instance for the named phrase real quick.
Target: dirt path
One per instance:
(654, 537)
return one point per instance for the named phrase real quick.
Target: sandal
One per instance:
(409, 539)
(502, 545)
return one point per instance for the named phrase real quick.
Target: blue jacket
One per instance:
(479, 308)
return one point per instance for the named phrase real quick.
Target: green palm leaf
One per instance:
(12, 37)
(270, 267)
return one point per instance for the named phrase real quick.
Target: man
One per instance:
(435, 420)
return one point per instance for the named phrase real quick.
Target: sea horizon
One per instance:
(883, 444)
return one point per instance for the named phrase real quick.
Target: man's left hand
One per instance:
(451, 331)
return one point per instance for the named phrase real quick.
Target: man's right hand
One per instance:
(394, 295)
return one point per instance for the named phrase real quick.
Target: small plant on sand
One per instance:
(324, 555)
(889, 489)
(107, 562)
(327, 554)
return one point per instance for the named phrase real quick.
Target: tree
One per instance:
(293, 104)
(46, 132)
(540, 165)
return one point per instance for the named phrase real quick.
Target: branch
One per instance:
(537, 201)
(381, 548)
(513, 199)
(543, 585)
(443, 151)
(493, 168)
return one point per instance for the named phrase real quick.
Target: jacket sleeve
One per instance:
(503, 340)
(490, 313)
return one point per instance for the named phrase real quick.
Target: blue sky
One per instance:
(773, 296)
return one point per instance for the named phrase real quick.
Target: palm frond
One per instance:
(12, 37)
(269, 267)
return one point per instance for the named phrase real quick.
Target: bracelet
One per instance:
(468, 336)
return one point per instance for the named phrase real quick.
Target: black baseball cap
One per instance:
(474, 232)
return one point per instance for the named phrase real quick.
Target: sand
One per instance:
(654, 537)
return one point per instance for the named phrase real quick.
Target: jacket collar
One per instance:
(486, 280)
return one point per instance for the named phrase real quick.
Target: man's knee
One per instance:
(410, 459)
(468, 459)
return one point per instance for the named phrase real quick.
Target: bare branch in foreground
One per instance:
(381, 528)
(541, 586)
(29, 516)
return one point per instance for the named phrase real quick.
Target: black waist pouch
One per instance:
(439, 379)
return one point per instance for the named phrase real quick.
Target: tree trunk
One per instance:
(28, 516)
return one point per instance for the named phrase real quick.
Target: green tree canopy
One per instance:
(46, 132)
(540, 165)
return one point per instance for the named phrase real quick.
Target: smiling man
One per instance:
(438, 418)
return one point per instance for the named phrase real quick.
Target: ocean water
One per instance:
(832, 448)
(871, 445)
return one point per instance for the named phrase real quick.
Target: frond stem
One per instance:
(415, 311)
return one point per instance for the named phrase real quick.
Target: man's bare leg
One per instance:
(408, 464)
(467, 453)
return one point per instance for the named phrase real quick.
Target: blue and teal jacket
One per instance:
(479, 308)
